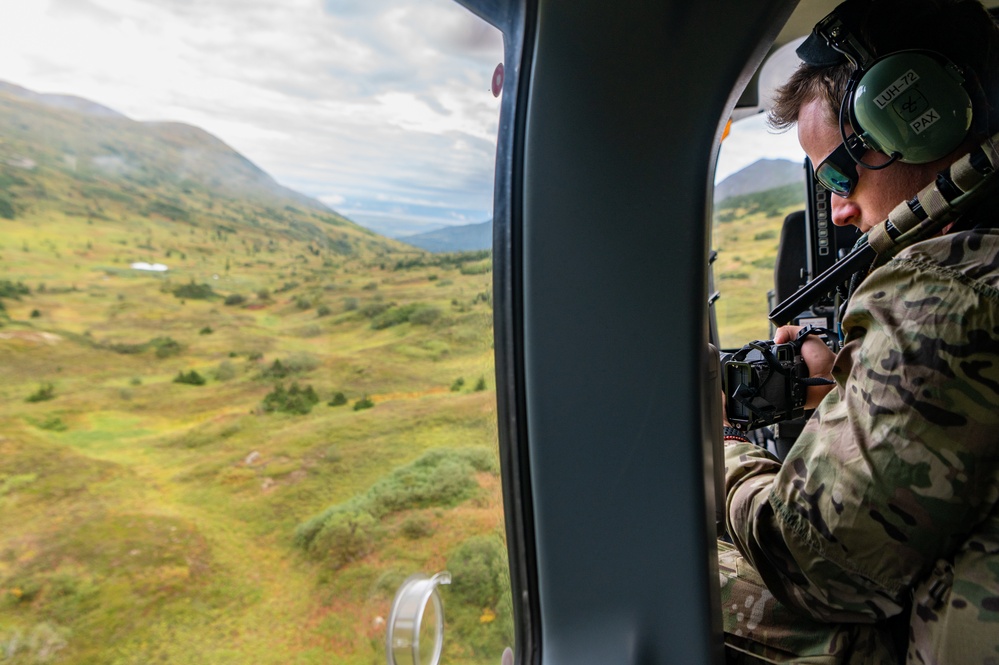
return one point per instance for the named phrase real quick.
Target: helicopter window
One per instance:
(246, 329)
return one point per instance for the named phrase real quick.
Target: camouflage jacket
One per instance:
(888, 503)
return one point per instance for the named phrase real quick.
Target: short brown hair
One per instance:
(808, 83)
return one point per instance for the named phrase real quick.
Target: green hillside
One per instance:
(154, 181)
(166, 434)
(746, 233)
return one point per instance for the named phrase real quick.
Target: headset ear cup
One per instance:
(911, 103)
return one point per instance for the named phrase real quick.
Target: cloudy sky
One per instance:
(382, 109)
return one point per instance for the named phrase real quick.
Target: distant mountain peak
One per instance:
(761, 175)
(463, 238)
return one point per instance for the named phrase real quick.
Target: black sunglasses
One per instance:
(838, 171)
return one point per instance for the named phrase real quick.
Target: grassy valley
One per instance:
(240, 457)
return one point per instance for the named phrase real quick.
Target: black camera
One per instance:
(764, 383)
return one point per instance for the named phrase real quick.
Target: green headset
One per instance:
(911, 105)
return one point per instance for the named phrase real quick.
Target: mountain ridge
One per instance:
(760, 176)
(84, 159)
(459, 238)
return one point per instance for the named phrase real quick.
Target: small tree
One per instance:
(191, 378)
(339, 399)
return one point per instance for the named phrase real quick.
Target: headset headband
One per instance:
(841, 38)
(833, 40)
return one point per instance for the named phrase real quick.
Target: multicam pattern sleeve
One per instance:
(899, 467)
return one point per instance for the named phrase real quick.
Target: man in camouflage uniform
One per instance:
(877, 539)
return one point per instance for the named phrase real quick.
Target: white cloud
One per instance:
(749, 140)
(342, 99)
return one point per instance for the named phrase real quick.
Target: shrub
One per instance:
(417, 313)
(392, 316)
(6, 208)
(235, 299)
(35, 313)
(371, 310)
(302, 303)
(425, 315)
(363, 403)
(207, 330)
(458, 384)
(194, 291)
(347, 536)
(15, 290)
(166, 347)
(349, 304)
(263, 294)
(294, 400)
(45, 392)
(415, 527)
(125, 349)
(370, 286)
(480, 384)
(323, 310)
(477, 569)
(338, 399)
(277, 370)
(191, 378)
(296, 363)
(440, 477)
(226, 371)
(53, 424)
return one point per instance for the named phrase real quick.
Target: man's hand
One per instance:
(818, 358)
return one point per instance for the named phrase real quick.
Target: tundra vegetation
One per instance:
(180, 480)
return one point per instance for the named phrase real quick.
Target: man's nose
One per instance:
(844, 211)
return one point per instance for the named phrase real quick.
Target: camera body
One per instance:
(765, 383)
